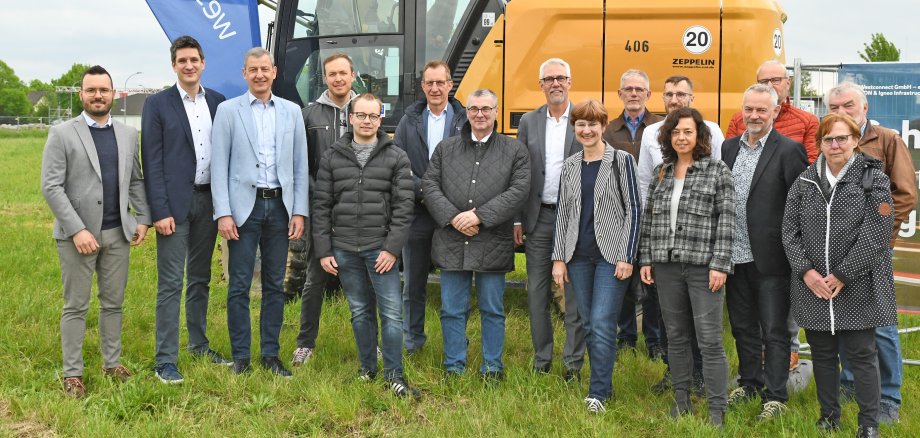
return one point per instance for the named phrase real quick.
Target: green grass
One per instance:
(323, 399)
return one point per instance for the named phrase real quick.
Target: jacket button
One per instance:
(474, 181)
(471, 201)
(467, 242)
(477, 163)
(680, 228)
(257, 165)
(99, 202)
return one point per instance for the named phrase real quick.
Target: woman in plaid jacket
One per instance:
(685, 247)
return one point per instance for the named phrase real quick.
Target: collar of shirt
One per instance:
(862, 129)
(565, 115)
(484, 139)
(184, 94)
(432, 116)
(634, 121)
(253, 99)
(761, 142)
(93, 124)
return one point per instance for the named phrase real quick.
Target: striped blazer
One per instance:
(616, 208)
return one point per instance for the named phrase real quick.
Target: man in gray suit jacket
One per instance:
(259, 189)
(90, 176)
(550, 138)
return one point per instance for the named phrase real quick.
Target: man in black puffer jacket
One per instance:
(362, 209)
(475, 184)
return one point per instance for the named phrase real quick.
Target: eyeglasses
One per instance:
(840, 139)
(439, 84)
(680, 95)
(93, 91)
(550, 79)
(630, 90)
(775, 81)
(365, 116)
(486, 110)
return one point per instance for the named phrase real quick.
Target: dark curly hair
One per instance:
(703, 136)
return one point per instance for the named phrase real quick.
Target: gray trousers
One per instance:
(539, 252)
(683, 291)
(311, 298)
(110, 263)
(185, 253)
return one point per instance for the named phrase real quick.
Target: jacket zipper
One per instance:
(827, 237)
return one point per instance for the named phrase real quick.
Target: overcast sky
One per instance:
(42, 39)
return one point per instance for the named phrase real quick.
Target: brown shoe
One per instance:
(119, 372)
(73, 386)
(793, 360)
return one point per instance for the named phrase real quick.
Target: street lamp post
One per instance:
(124, 104)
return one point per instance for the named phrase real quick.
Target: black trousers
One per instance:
(758, 307)
(862, 355)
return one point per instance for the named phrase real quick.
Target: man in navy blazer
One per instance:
(259, 188)
(176, 153)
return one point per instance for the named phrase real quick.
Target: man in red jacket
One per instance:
(792, 122)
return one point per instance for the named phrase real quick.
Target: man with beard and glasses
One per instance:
(764, 166)
(550, 138)
(91, 179)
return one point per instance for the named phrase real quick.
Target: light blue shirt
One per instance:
(435, 129)
(263, 117)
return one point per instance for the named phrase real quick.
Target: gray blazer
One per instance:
(532, 132)
(72, 181)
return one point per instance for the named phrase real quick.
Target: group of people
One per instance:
(787, 221)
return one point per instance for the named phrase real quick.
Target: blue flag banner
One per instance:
(226, 29)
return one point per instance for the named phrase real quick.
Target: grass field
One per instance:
(323, 398)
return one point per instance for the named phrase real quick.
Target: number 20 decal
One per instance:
(697, 39)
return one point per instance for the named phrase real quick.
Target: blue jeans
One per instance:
(455, 300)
(266, 229)
(890, 365)
(599, 295)
(360, 281)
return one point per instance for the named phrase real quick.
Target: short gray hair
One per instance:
(762, 88)
(773, 62)
(846, 86)
(635, 72)
(483, 92)
(557, 61)
(258, 52)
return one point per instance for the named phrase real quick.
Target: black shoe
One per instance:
(402, 389)
(681, 404)
(716, 418)
(543, 369)
(625, 344)
(867, 432)
(571, 375)
(828, 424)
(655, 352)
(366, 374)
(663, 385)
(241, 366)
(214, 357)
(273, 364)
(493, 376)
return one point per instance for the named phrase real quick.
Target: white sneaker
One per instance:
(301, 355)
(594, 405)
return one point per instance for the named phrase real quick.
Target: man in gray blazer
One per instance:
(259, 189)
(91, 179)
(550, 138)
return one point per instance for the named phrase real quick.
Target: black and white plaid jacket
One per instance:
(705, 217)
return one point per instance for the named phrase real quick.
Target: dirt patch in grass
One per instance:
(21, 429)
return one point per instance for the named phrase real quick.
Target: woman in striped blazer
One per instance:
(597, 235)
(686, 244)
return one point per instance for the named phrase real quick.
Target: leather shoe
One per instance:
(571, 375)
(241, 366)
(544, 369)
(274, 365)
(828, 424)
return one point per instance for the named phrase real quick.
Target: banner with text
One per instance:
(893, 92)
(226, 29)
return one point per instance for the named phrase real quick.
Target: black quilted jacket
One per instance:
(494, 178)
(360, 209)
